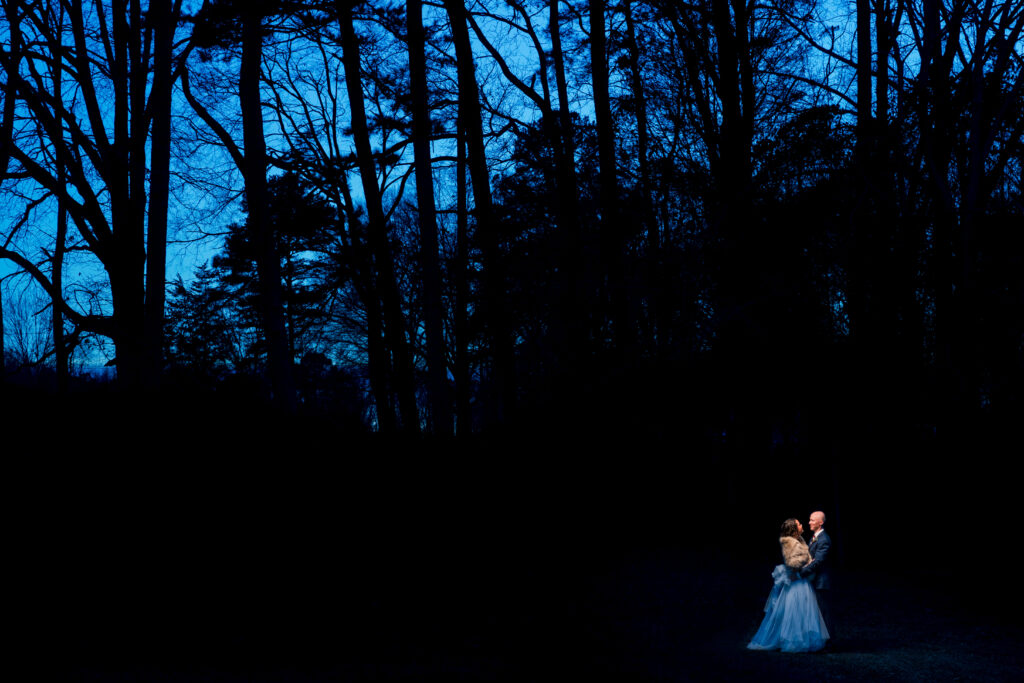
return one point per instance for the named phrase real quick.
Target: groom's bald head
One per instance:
(817, 520)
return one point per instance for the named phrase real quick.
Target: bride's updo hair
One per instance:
(791, 528)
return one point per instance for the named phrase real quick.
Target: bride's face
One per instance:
(800, 526)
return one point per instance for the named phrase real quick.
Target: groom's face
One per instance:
(815, 523)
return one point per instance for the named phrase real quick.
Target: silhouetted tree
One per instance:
(394, 324)
(533, 233)
(569, 339)
(422, 131)
(608, 194)
(503, 396)
(210, 333)
(612, 242)
(302, 225)
(9, 62)
(91, 154)
(224, 23)
(162, 18)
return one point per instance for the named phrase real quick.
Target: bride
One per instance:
(792, 620)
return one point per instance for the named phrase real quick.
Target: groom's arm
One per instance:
(821, 549)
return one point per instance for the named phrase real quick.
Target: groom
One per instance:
(817, 571)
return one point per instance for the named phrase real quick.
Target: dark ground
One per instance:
(187, 583)
(184, 551)
(657, 615)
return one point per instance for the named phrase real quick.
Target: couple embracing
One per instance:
(798, 615)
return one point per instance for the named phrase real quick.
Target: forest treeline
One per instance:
(445, 216)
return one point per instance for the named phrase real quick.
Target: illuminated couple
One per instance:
(798, 614)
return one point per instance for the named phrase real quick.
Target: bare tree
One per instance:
(226, 23)
(394, 326)
(556, 124)
(612, 242)
(440, 401)
(162, 18)
(91, 155)
(9, 62)
(503, 398)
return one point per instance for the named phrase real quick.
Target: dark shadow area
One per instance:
(231, 544)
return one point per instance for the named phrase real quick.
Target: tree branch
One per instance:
(100, 324)
(214, 125)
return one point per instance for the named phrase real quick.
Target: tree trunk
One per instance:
(612, 244)
(279, 360)
(734, 261)
(871, 295)
(936, 123)
(464, 419)
(864, 275)
(574, 317)
(437, 366)
(127, 268)
(380, 366)
(60, 350)
(394, 327)
(162, 18)
(3, 346)
(899, 259)
(376, 349)
(744, 57)
(11, 64)
(884, 48)
(864, 128)
(503, 396)
(659, 314)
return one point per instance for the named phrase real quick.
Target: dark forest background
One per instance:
(501, 279)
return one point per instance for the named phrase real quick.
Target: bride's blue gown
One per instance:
(792, 621)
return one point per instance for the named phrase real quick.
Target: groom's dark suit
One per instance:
(819, 574)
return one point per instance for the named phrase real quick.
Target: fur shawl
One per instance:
(794, 552)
